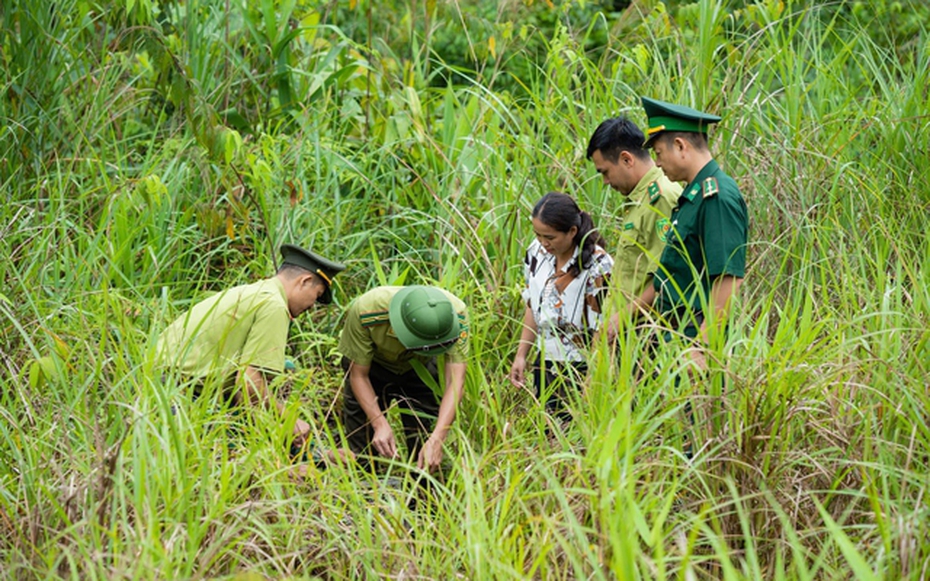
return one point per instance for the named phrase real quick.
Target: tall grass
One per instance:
(153, 154)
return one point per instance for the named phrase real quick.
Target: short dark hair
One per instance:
(292, 271)
(615, 135)
(697, 140)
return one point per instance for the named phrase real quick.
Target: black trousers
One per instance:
(416, 400)
(554, 379)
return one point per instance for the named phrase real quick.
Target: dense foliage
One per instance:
(153, 151)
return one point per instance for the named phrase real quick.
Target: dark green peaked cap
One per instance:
(312, 262)
(668, 117)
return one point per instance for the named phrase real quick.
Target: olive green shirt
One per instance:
(244, 325)
(710, 227)
(367, 335)
(643, 235)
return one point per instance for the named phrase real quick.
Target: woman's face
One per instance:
(561, 244)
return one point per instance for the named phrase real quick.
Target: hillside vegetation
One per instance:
(153, 152)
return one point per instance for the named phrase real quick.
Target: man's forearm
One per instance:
(455, 387)
(644, 301)
(256, 388)
(723, 291)
(364, 393)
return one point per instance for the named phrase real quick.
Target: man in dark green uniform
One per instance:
(704, 262)
(235, 340)
(616, 148)
(389, 332)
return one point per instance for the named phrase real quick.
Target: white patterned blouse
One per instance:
(566, 309)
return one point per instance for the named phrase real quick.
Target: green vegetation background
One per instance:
(155, 151)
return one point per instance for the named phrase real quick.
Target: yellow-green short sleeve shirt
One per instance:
(644, 232)
(244, 325)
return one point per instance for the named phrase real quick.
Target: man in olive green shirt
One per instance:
(388, 332)
(236, 339)
(616, 148)
(704, 262)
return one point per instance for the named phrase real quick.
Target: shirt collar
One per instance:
(641, 192)
(280, 288)
(573, 259)
(551, 257)
(694, 188)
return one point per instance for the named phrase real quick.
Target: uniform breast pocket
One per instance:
(631, 236)
(680, 230)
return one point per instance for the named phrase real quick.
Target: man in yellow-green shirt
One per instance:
(235, 340)
(616, 148)
(389, 332)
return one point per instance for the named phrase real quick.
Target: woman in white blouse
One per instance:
(566, 271)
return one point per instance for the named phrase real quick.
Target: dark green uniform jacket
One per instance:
(707, 240)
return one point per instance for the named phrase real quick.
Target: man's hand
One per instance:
(612, 328)
(338, 456)
(430, 454)
(696, 354)
(301, 432)
(383, 440)
(517, 375)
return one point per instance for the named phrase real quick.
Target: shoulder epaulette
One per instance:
(655, 192)
(709, 187)
(462, 326)
(374, 318)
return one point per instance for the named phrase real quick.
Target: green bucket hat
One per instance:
(424, 319)
(312, 262)
(668, 117)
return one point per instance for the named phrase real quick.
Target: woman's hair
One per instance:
(561, 212)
